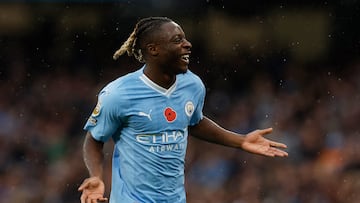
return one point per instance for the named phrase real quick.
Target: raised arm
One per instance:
(93, 188)
(253, 142)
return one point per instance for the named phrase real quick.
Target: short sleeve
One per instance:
(200, 97)
(105, 118)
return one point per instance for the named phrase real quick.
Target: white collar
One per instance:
(156, 87)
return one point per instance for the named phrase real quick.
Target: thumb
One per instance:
(84, 185)
(266, 131)
(90, 183)
(81, 187)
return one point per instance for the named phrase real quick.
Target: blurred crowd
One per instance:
(315, 114)
(313, 108)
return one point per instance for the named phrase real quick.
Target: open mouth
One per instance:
(186, 58)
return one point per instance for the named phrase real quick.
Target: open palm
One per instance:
(92, 190)
(256, 143)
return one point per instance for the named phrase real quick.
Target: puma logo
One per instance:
(146, 114)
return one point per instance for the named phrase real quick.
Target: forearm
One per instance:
(93, 156)
(209, 131)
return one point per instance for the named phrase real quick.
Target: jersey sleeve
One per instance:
(198, 113)
(105, 118)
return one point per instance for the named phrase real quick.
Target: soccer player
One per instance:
(149, 114)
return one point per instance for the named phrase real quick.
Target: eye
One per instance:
(178, 39)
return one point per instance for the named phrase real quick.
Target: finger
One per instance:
(83, 198)
(83, 185)
(277, 144)
(103, 199)
(278, 152)
(95, 197)
(282, 154)
(266, 131)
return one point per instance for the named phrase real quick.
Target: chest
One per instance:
(158, 113)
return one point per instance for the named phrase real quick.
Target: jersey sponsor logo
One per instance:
(170, 114)
(167, 141)
(148, 115)
(189, 108)
(162, 138)
(167, 147)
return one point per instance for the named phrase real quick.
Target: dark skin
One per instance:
(164, 57)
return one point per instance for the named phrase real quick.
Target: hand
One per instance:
(93, 190)
(254, 142)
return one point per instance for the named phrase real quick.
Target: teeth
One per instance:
(186, 57)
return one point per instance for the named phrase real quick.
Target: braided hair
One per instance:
(142, 28)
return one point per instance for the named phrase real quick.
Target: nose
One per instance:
(187, 44)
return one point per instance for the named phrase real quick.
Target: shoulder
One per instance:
(118, 88)
(192, 77)
(123, 81)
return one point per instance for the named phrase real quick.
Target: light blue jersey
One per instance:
(149, 125)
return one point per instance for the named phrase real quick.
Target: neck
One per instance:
(159, 77)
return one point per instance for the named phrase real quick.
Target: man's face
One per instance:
(174, 49)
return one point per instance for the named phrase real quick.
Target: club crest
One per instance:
(189, 108)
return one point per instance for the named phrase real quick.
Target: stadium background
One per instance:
(293, 66)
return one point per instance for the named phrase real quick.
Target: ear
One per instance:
(152, 49)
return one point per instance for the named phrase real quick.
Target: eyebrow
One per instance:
(180, 35)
